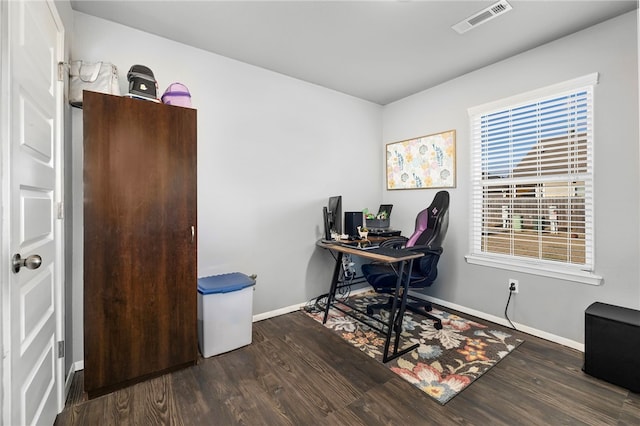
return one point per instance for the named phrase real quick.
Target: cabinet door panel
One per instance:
(140, 270)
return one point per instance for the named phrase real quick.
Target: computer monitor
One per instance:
(385, 208)
(334, 214)
(327, 226)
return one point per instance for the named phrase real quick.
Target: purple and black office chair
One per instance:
(431, 227)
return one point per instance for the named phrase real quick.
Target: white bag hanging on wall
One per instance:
(98, 77)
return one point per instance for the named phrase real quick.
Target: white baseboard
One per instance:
(502, 321)
(76, 366)
(293, 308)
(278, 312)
(68, 380)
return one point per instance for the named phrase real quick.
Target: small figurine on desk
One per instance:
(363, 232)
(338, 237)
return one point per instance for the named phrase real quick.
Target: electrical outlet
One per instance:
(513, 285)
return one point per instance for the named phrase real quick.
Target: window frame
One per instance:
(566, 271)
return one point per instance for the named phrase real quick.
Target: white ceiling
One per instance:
(379, 51)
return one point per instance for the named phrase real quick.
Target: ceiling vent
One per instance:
(483, 16)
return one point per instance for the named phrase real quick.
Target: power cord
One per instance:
(348, 270)
(347, 274)
(315, 304)
(507, 307)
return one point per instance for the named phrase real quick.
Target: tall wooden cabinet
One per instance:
(140, 276)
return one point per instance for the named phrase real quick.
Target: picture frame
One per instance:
(423, 162)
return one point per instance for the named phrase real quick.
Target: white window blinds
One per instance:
(533, 176)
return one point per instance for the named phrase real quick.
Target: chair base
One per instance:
(418, 306)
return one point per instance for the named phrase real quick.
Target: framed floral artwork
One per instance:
(423, 162)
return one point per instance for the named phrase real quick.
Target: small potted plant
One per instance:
(380, 220)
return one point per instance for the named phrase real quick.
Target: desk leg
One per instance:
(403, 307)
(392, 314)
(334, 285)
(395, 321)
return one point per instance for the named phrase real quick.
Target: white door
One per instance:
(33, 370)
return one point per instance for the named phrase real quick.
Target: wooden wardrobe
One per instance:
(140, 272)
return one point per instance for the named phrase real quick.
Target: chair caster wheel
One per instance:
(437, 326)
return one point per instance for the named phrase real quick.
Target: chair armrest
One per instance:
(395, 242)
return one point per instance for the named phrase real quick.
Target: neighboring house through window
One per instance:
(532, 182)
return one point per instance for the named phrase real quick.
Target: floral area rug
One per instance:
(447, 360)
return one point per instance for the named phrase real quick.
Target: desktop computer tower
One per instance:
(612, 345)
(351, 222)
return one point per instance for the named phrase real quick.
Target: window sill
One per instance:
(536, 269)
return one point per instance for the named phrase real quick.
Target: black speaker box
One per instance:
(351, 222)
(612, 345)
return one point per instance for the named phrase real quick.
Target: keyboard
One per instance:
(389, 251)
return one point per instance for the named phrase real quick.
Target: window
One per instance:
(532, 179)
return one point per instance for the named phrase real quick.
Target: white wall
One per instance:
(271, 150)
(554, 307)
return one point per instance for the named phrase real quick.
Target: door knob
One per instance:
(31, 262)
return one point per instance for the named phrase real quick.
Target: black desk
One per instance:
(394, 324)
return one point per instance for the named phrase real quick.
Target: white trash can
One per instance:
(225, 312)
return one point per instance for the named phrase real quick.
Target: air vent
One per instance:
(481, 17)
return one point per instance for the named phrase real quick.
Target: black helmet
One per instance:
(142, 82)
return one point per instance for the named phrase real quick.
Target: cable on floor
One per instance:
(505, 311)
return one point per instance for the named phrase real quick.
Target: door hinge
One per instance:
(61, 67)
(61, 349)
(60, 210)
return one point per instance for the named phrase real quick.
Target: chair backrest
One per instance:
(432, 223)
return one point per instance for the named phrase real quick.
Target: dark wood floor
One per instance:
(296, 372)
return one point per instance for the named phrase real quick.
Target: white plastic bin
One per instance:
(225, 312)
